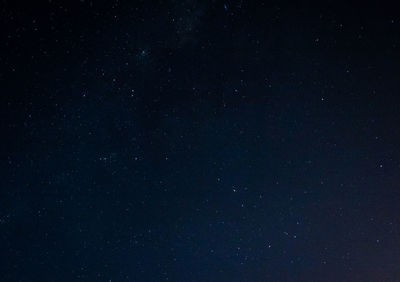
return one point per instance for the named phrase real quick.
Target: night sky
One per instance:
(199, 141)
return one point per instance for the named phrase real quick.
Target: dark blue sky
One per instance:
(199, 141)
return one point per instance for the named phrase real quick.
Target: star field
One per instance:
(199, 141)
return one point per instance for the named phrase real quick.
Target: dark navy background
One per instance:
(199, 141)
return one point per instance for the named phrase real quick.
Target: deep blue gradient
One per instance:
(199, 141)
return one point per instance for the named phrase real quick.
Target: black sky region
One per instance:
(199, 141)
